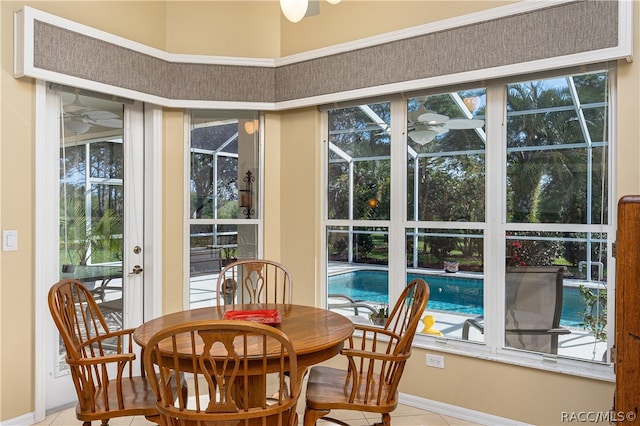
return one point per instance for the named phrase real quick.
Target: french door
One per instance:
(90, 209)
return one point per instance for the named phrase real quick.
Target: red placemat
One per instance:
(264, 316)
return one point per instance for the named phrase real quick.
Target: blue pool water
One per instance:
(448, 293)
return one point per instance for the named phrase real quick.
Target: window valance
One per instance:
(490, 45)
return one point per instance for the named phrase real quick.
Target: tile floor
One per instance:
(404, 415)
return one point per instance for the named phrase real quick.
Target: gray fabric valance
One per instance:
(559, 30)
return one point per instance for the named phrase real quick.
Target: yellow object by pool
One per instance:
(429, 321)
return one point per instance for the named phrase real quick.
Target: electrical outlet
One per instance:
(436, 361)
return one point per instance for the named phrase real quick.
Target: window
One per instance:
(446, 202)
(499, 183)
(557, 195)
(223, 193)
(359, 178)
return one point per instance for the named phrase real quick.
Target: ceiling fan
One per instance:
(79, 118)
(425, 125)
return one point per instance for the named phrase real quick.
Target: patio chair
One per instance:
(350, 303)
(533, 307)
(100, 360)
(228, 363)
(375, 365)
(254, 281)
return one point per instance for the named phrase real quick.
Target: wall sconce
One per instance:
(472, 103)
(251, 126)
(246, 199)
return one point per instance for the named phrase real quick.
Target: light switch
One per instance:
(9, 240)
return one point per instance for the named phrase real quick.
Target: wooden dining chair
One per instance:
(100, 360)
(226, 363)
(254, 281)
(375, 365)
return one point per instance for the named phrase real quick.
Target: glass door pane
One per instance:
(92, 200)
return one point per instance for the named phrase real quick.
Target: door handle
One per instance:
(136, 270)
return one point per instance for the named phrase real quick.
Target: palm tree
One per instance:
(81, 239)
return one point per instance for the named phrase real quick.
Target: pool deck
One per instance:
(579, 344)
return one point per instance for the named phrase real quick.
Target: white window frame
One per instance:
(494, 228)
(259, 209)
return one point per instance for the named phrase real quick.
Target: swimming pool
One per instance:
(448, 293)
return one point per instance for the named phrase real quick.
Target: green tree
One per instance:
(81, 240)
(549, 183)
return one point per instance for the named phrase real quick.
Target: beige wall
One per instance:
(224, 28)
(272, 181)
(172, 209)
(140, 21)
(16, 268)
(300, 207)
(336, 24)
(292, 185)
(527, 395)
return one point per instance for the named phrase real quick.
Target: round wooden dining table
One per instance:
(317, 334)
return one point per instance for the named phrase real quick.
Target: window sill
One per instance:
(585, 369)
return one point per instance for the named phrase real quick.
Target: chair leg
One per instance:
(185, 391)
(311, 416)
(386, 420)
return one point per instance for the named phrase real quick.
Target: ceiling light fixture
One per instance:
(77, 127)
(423, 137)
(425, 125)
(295, 10)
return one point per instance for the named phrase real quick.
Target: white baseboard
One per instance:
(458, 412)
(24, 420)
